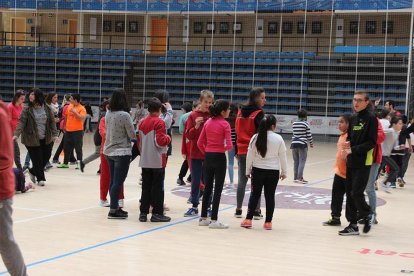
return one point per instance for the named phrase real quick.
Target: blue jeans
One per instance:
(230, 155)
(27, 160)
(196, 173)
(118, 170)
(370, 189)
(299, 159)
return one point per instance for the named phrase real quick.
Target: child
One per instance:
(186, 108)
(214, 147)
(21, 185)
(152, 142)
(338, 185)
(266, 163)
(194, 125)
(231, 153)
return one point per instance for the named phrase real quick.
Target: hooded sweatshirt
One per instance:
(192, 134)
(247, 122)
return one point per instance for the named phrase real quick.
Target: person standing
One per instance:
(362, 138)
(37, 127)
(300, 138)
(232, 153)
(75, 115)
(9, 250)
(15, 109)
(186, 108)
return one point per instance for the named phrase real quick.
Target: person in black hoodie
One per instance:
(362, 137)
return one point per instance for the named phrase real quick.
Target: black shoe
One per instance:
(159, 218)
(349, 231)
(180, 182)
(98, 172)
(143, 217)
(257, 214)
(361, 221)
(238, 213)
(82, 165)
(334, 221)
(367, 223)
(189, 179)
(118, 214)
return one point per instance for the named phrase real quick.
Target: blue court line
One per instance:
(318, 181)
(112, 241)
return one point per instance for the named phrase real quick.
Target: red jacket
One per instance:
(6, 155)
(192, 134)
(245, 129)
(378, 149)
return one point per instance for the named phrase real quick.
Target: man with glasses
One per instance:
(362, 137)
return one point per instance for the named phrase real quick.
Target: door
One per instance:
(18, 31)
(72, 33)
(158, 35)
(339, 31)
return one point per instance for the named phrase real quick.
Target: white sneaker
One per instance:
(217, 225)
(104, 203)
(32, 177)
(41, 183)
(121, 203)
(386, 188)
(204, 222)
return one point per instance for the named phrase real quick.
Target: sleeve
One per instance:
(251, 155)
(184, 145)
(309, 134)
(370, 141)
(102, 127)
(381, 134)
(283, 158)
(202, 140)
(168, 118)
(181, 125)
(53, 123)
(191, 132)
(129, 127)
(227, 133)
(408, 130)
(161, 138)
(22, 122)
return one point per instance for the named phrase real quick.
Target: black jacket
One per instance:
(362, 134)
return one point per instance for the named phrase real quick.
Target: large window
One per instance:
(301, 29)
(287, 27)
(353, 27)
(317, 27)
(371, 27)
(389, 26)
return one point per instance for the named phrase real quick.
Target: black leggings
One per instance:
(73, 140)
(214, 175)
(60, 149)
(267, 179)
(338, 193)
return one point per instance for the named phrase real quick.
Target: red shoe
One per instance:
(247, 223)
(267, 226)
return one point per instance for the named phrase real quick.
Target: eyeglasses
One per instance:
(358, 100)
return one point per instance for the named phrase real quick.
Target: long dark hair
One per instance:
(118, 101)
(39, 98)
(49, 97)
(233, 114)
(265, 124)
(16, 96)
(254, 94)
(218, 107)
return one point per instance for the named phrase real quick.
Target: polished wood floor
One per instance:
(62, 230)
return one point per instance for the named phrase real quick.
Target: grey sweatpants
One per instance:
(241, 186)
(9, 250)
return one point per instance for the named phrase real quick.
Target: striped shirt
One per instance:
(301, 134)
(233, 136)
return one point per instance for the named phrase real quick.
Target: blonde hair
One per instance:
(206, 94)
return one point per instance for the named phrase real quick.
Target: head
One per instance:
(196, 104)
(268, 123)
(19, 97)
(154, 107)
(66, 99)
(360, 100)
(396, 123)
(257, 97)
(139, 104)
(162, 95)
(118, 101)
(104, 106)
(206, 99)
(186, 107)
(302, 114)
(390, 105)
(220, 108)
(385, 114)
(343, 122)
(75, 99)
(52, 98)
(36, 97)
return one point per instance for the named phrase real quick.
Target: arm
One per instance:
(370, 143)
(129, 127)
(168, 117)
(80, 115)
(102, 127)
(22, 122)
(202, 141)
(309, 135)
(251, 155)
(181, 125)
(190, 129)
(381, 134)
(227, 133)
(283, 160)
(161, 138)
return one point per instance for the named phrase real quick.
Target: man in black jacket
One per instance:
(362, 137)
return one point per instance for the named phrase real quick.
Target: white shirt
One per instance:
(275, 158)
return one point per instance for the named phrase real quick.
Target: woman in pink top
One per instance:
(15, 109)
(214, 141)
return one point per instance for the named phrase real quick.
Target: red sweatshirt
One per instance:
(378, 149)
(6, 155)
(14, 112)
(219, 136)
(192, 134)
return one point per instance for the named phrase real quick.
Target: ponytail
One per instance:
(218, 107)
(265, 124)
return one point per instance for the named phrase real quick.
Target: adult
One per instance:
(52, 101)
(390, 106)
(15, 109)
(9, 250)
(362, 138)
(38, 130)
(247, 123)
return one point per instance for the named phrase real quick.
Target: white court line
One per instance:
(34, 210)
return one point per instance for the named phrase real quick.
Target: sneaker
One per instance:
(349, 231)
(143, 217)
(361, 221)
(192, 212)
(63, 166)
(41, 183)
(180, 182)
(334, 221)
(267, 225)
(77, 165)
(28, 187)
(48, 166)
(118, 214)
(257, 215)
(104, 203)
(297, 181)
(217, 225)
(32, 176)
(303, 181)
(367, 223)
(204, 222)
(55, 162)
(403, 181)
(121, 203)
(159, 218)
(393, 185)
(188, 180)
(385, 187)
(238, 213)
(247, 223)
(82, 166)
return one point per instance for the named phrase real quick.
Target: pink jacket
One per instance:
(219, 136)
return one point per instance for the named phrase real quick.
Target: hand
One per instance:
(377, 102)
(54, 139)
(14, 137)
(198, 121)
(346, 146)
(402, 147)
(282, 177)
(167, 106)
(57, 120)
(311, 145)
(410, 149)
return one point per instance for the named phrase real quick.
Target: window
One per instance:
(371, 27)
(224, 27)
(353, 27)
(301, 28)
(316, 27)
(390, 27)
(287, 27)
(211, 27)
(237, 27)
(272, 28)
(198, 27)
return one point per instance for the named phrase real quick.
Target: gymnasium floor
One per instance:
(62, 230)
